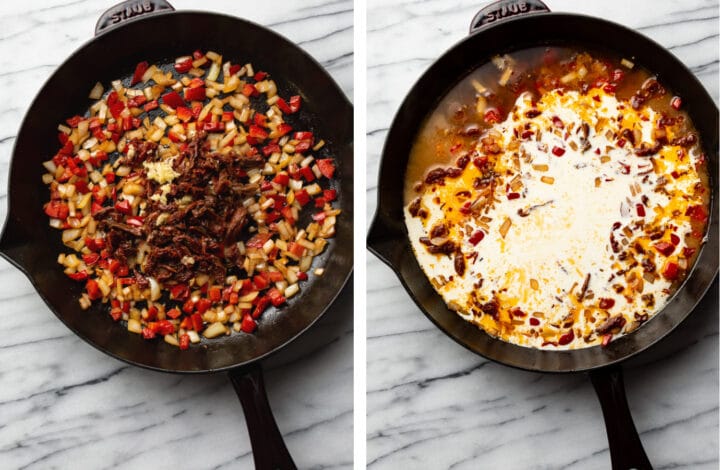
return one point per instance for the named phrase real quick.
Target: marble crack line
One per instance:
(424, 383)
(7, 139)
(572, 464)
(702, 67)
(34, 342)
(692, 43)
(319, 423)
(692, 464)
(402, 333)
(328, 35)
(311, 17)
(335, 60)
(402, 62)
(377, 131)
(29, 69)
(61, 391)
(678, 421)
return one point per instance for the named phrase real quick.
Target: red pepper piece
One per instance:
(476, 237)
(173, 313)
(492, 116)
(676, 102)
(302, 275)
(140, 70)
(329, 194)
(184, 113)
(284, 107)
(116, 109)
(260, 119)
(215, 293)
(283, 129)
(697, 213)
(606, 303)
(303, 135)
(90, 258)
(276, 297)
(327, 167)
(674, 239)
(307, 173)
(164, 327)
(282, 179)
(197, 322)
(320, 202)
(257, 132)
(566, 338)
(147, 333)
(534, 321)
(248, 324)
(295, 103)
(173, 99)
(688, 252)
(262, 304)
(78, 276)
(302, 197)
(184, 66)
(296, 249)
(235, 69)
(150, 105)
(152, 312)
(302, 147)
(74, 121)
(203, 305)
(198, 54)
(670, 271)
(57, 210)
(640, 210)
(664, 248)
(195, 94)
(227, 116)
(250, 90)
(558, 151)
(124, 207)
(261, 282)
(93, 289)
(184, 341)
(260, 76)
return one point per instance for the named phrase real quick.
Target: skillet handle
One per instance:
(626, 450)
(269, 450)
(129, 10)
(503, 9)
(384, 242)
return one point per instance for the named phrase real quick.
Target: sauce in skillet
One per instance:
(556, 198)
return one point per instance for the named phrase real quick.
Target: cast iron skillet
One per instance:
(500, 28)
(152, 31)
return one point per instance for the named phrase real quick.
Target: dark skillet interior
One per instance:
(33, 246)
(519, 33)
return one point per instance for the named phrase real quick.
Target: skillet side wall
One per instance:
(37, 245)
(465, 56)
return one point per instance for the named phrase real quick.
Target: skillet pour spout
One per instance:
(503, 27)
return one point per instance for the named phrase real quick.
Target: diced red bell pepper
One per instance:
(307, 173)
(164, 327)
(296, 249)
(173, 313)
(260, 119)
(295, 103)
(81, 186)
(492, 116)
(257, 240)
(95, 207)
(697, 213)
(302, 197)
(276, 297)
(282, 179)
(78, 276)
(57, 210)
(150, 105)
(327, 167)
(262, 304)
(197, 322)
(140, 70)
(184, 66)
(147, 333)
(302, 146)
(173, 99)
(329, 194)
(74, 121)
(284, 107)
(184, 113)
(152, 313)
(184, 342)
(664, 248)
(233, 298)
(116, 109)
(95, 244)
(124, 207)
(179, 292)
(283, 129)
(303, 135)
(248, 324)
(320, 202)
(198, 54)
(90, 258)
(195, 94)
(235, 69)
(258, 132)
(203, 305)
(214, 126)
(260, 76)
(188, 306)
(688, 252)
(136, 101)
(215, 293)
(275, 276)
(670, 271)
(302, 275)
(93, 290)
(250, 90)
(288, 214)
(261, 282)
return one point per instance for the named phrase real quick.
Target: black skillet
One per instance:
(128, 33)
(500, 28)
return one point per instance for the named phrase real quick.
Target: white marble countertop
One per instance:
(63, 404)
(432, 404)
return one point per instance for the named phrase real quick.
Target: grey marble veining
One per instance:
(432, 404)
(65, 405)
